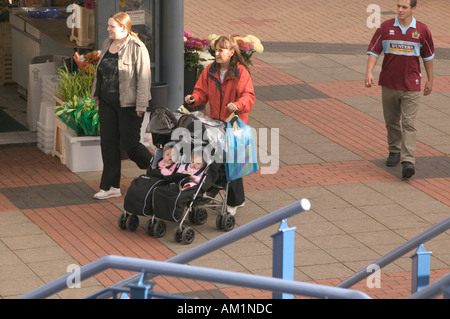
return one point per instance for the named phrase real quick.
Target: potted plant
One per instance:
(77, 110)
(80, 114)
(194, 52)
(196, 56)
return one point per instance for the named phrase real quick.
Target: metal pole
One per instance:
(201, 250)
(283, 256)
(439, 286)
(172, 51)
(212, 275)
(398, 252)
(420, 275)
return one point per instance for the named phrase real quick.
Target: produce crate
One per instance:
(5, 54)
(83, 153)
(59, 142)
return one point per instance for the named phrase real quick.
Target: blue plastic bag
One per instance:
(49, 13)
(239, 151)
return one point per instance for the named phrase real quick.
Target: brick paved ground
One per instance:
(331, 150)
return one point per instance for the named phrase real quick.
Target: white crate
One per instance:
(45, 138)
(83, 153)
(44, 148)
(47, 116)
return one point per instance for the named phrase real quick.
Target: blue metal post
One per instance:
(283, 256)
(141, 290)
(420, 274)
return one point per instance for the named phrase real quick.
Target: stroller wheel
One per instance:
(132, 222)
(159, 229)
(122, 222)
(198, 216)
(188, 235)
(149, 227)
(219, 224)
(191, 215)
(177, 234)
(228, 222)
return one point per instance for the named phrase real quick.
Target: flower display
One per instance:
(87, 61)
(88, 4)
(193, 51)
(247, 45)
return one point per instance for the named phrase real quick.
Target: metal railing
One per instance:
(148, 269)
(400, 251)
(212, 275)
(440, 286)
(155, 268)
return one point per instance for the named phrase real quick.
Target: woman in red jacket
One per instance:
(227, 86)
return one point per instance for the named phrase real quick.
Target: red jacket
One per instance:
(238, 90)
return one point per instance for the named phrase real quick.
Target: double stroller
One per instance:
(164, 196)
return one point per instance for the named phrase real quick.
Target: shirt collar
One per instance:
(412, 24)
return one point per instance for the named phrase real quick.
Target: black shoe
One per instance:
(408, 169)
(393, 159)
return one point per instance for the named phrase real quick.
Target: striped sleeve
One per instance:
(427, 52)
(376, 44)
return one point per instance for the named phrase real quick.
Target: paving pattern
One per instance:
(331, 149)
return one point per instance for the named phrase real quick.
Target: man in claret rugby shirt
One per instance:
(404, 40)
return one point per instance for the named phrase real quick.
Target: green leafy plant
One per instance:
(78, 111)
(81, 115)
(78, 83)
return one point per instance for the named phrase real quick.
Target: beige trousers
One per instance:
(400, 109)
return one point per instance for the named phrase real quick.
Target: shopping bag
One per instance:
(239, 151)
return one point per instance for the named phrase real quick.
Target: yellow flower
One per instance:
(257, 46)
(212, 37)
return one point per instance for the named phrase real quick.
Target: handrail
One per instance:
(398, 252)
(219, 276)
(201, 250)
(225, 239)
(433, 289)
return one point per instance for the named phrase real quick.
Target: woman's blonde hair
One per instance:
(228, 42)
(123, 19)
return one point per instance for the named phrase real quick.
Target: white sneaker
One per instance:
(112, 192)
(232, 210)
(242, 205)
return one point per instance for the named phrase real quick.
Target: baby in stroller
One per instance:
(196, 166)
(172, 190)
(167, 164)
(138, 198)
(170, 201)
